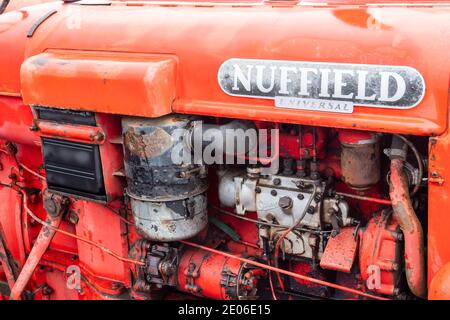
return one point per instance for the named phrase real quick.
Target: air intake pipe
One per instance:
(237, 137)
(407, 218)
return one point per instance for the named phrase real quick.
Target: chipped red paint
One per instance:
(341, 251)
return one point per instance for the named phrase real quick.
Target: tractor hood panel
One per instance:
(372, 68)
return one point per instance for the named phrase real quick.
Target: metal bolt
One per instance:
(300, 196)
(99, 137)
(285, 202)
(277, 181)
(73, 217)
(397, 235)
(258, 190)
(116, 285)
(315, 175)
(310, 210)
(50, 206)
(46, 290)
(300, 184)
(273, 192)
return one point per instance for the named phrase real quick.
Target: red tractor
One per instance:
(225, 150)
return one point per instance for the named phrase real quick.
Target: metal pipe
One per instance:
(40, 246)
(77, 237)
(418, 160)
(411, 227)
(3, 5)
(202, 134)
(18, 214)
(364, 198)
(199, 131)
(70, 132)
(5, 259)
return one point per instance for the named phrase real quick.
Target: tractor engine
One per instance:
(315, 203)
(288, 211)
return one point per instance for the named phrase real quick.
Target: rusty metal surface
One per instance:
(40, 246)
(340, 251)
(215, 276)
(380, 254)
(411, 227)
(132, 80)
(45, 236)
(164, 221)
(360, 161)
(71, 132)
(6, 260)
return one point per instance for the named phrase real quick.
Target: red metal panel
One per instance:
(104, 82)
(205, 37)
(340, 252)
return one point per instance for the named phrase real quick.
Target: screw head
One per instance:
(300, 184)
(285, 202)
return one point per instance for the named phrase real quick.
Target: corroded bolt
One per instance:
(54, 204)
(73, 217)
(99, 137)
(46, 290)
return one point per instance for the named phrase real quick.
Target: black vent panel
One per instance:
(66, 116)
(74, 168)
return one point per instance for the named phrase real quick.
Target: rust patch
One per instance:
(340, 251)
(148, 145)
(157, 142)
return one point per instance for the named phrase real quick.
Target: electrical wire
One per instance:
(285, 233)
(364, 198)
(69, 234)
(118, 215)
(31, 171)
(272, 289)
(263, 222)
(21, 165)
